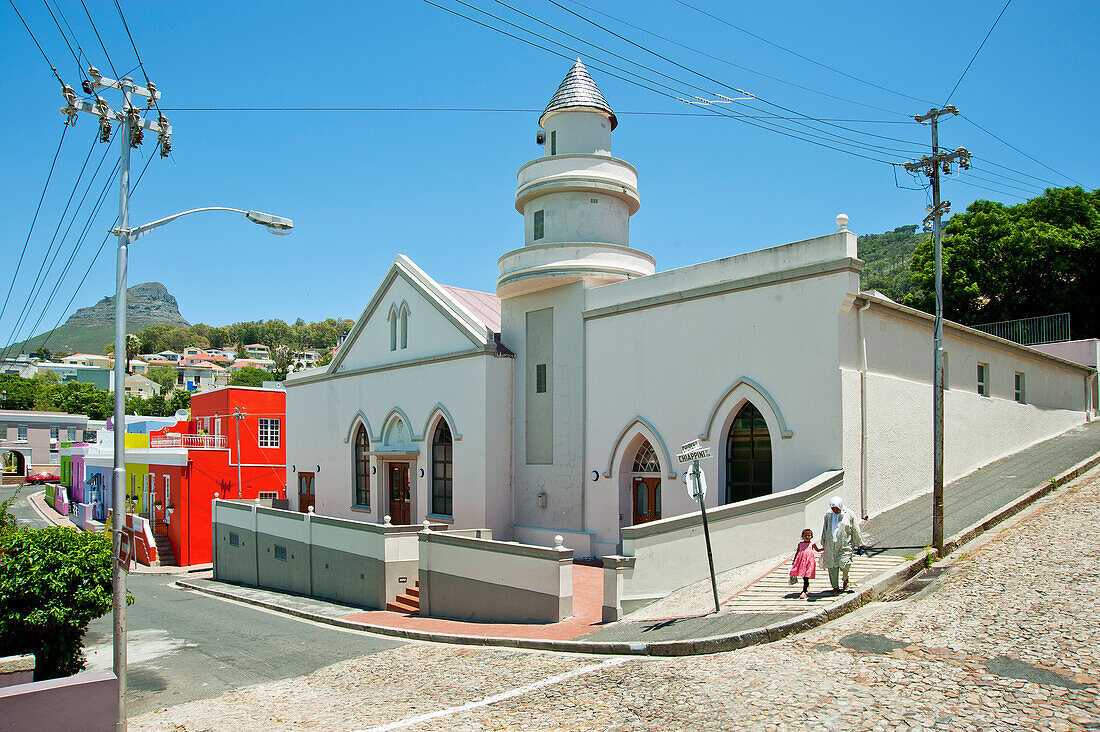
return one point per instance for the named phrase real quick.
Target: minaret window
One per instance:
(539, 225)
(553, 142)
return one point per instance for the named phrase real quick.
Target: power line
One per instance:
(38, 278)
(799, 55)
(34, 219)
(91, 264)
(707, 77)
(505, 110)
(737, 66)
(101, 45)
(1013, 170)
(798, 134)
(987, 188)
(980, 46)
(49, 63)
(79, 244)
(64, 37)
(1009, 144)
(148, 83)
(692, 71)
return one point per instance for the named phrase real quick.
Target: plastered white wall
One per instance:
(977, 429)
(320, 416)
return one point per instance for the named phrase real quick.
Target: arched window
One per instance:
(393, 328)
(646, 459)
(442, 478)
(362, 468)
(403, 327)
(748, 456)
(645, 484)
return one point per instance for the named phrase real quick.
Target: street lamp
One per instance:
(126, 236)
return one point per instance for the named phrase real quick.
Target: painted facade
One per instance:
(557, 404)
(192, 461)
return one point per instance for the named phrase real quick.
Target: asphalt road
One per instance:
(184, 646)
(21, 508)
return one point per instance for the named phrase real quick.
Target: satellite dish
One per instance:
(182, 414)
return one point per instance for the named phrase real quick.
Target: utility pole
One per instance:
(931, 165)
(238, 415)
(133, 131)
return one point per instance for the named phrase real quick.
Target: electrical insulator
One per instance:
(104, 129)
(165, 146)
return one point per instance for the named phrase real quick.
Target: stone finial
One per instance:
(427, 525)
(310, 509)
(386, 521)
(559, 542)
(842, 222)
(217, 496)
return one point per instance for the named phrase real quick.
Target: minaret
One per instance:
(576, 200)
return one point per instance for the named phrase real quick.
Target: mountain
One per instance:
(887, 258)
(90, 329)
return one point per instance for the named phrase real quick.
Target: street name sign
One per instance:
(697, 453)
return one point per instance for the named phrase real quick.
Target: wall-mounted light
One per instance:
(541, 499)
(595, 475)
(294, 468)
(373, 469)
(422, 472)
(318, 468)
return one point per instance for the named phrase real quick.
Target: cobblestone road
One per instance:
(1007, 638)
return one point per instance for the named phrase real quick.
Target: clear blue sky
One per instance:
(438, 186)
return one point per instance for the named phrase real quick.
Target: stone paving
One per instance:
(1007, 638)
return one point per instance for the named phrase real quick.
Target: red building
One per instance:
(232, 431)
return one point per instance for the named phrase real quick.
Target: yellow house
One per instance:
(137, 474)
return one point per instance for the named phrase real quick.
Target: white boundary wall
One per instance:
(662, 556)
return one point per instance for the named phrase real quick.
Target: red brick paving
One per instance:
(587, 616)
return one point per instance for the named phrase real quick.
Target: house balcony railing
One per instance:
(196, 442)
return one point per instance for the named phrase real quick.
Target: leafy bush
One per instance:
(53, 582)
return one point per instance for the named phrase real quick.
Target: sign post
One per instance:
(692, 452)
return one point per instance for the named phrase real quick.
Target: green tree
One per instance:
(133, 347)
(164, 376)
(250, 376)
(1006, 262)
(53, 582)
(180, 399)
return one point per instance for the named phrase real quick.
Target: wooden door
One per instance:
(400, 494)
(646, 494)
(306, 495)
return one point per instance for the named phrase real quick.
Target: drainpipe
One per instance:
(862, 409)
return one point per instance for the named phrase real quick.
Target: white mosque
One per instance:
(557, 404)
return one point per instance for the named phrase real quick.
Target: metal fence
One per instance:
(209, 442)
(1031, 331)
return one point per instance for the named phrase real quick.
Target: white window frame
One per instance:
(21, 432)
(983, 379)
(1019, 388)
(267, 432)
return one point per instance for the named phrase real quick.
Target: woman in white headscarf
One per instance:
(841, 538)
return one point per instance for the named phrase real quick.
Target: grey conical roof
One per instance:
(578, 90)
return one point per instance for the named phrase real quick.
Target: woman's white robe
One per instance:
(838, 552)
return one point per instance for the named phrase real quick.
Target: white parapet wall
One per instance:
(662, 556)
(467, 578)
(338, 559)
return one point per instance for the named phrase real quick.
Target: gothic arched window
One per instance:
(362, 468)
(748, 456)
(442, 465)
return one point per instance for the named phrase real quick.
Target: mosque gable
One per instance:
(411, 317)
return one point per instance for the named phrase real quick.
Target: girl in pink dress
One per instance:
(805, 562)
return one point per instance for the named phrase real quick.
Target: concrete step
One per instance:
(413, 591)
(402, 605)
